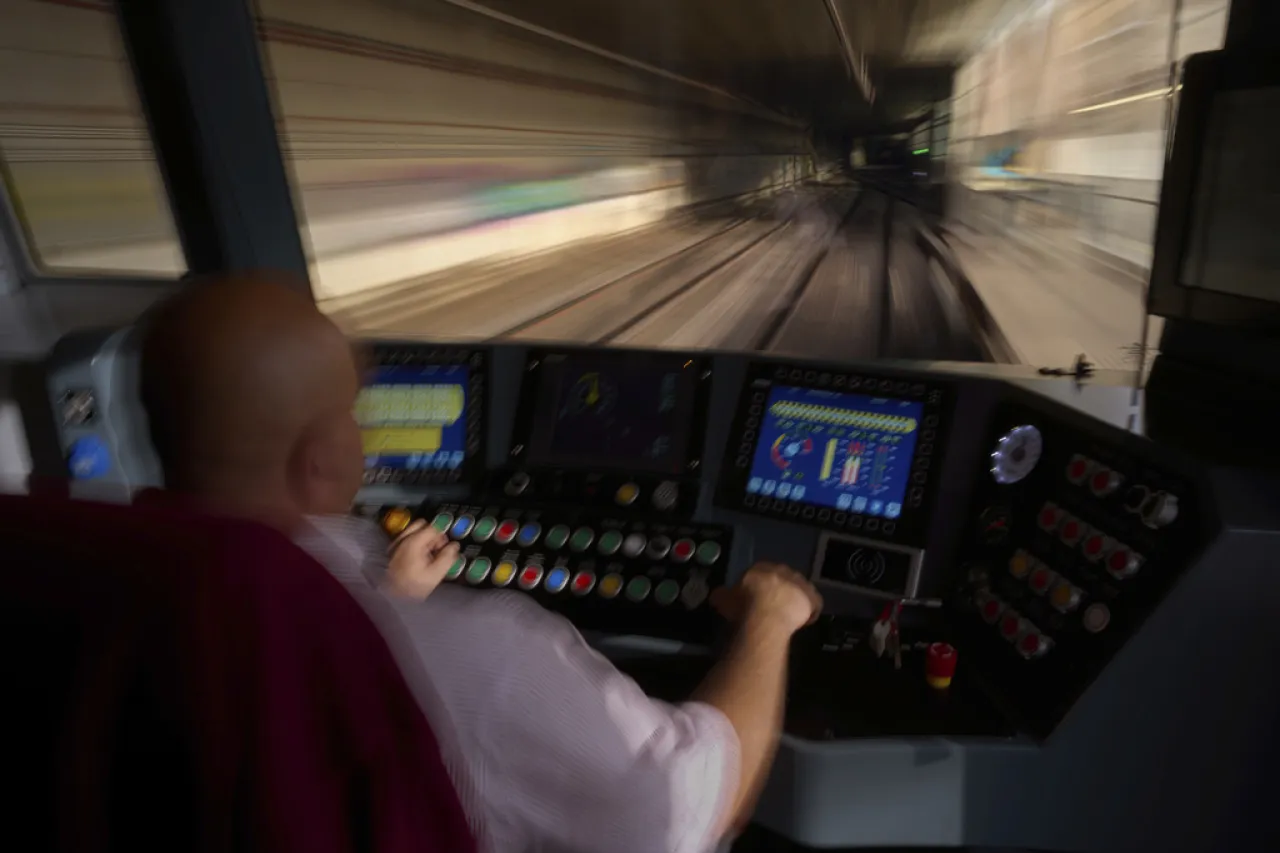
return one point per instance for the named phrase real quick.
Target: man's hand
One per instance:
(772, 594)
(420, 558)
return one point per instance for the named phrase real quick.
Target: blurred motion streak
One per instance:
(668, 173)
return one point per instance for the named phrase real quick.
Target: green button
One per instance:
(442, 521)
(479, 570)
(667, 592)
(610, 542)
(638, 588)
(582, 539)
(708, 553)
(456, 569)
(484, 528)
(556, 537)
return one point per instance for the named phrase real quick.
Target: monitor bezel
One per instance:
(527, 411)
(476, 359)
(912, 527)
(1205, 77)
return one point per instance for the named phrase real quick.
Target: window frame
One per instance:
(201, 81)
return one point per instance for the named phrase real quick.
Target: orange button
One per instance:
(396, 520)
(610, 585)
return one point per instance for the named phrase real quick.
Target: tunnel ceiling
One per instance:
(785, 54)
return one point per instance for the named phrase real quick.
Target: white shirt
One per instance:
(556, 750)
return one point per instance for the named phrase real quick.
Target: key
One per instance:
(879, 637)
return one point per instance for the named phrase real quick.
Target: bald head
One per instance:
(249, 390)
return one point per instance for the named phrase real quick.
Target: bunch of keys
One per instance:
(884, 635)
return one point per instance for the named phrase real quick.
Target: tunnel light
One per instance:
(1145, 96)
(920, 151)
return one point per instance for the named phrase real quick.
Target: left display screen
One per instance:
(414, 421)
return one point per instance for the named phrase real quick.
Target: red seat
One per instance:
(181, 682)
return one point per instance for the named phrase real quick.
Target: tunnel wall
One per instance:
(418, 135)
(1077, 91)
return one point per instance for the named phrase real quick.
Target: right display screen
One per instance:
(844, 451)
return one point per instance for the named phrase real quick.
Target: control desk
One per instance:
(1093, 591)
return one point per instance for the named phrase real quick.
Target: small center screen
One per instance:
(608, 411)
(849, 452)
(413, 418)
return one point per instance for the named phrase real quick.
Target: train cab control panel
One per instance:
(1006, 578)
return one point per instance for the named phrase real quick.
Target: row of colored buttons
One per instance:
(1120, 561)
(1101, 479)
(582, 582)
(1041, 579)
(610, 542)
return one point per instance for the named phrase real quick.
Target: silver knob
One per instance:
(1160, 510)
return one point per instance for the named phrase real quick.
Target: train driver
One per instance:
(250, 392)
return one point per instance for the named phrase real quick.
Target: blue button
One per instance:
(462, 526)
(88, 458)
(557, 579)
(528, 534)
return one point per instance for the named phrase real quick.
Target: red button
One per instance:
(530, 576)
(1077, 469)
(1030, 644)
(1123, 562)
(1048, 517)
(506, 531)
(583, 581)
(1010, 626)
(1071, 529)
(682, 550)
(1040, 580)
(1102, 481)
(1093, 546)
(991, 610)
(940, 661)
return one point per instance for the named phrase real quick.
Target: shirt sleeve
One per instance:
(594, 764)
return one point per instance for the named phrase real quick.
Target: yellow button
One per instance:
(1064, 596)
(1019, 564)
(626, 494)
(396, 520)
(610, 585)
(503, 574)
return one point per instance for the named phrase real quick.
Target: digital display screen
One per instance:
(848, 452)
(413, 418)
(614, 412)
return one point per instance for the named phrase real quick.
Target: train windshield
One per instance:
(964, 183)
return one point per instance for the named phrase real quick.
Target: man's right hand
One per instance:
(772, 593)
